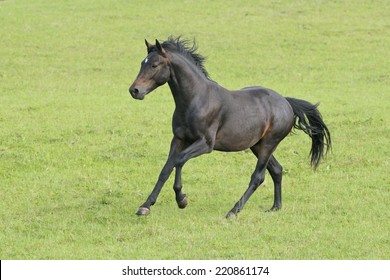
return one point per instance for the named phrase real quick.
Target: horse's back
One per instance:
(261, 98)
(259, 92)
(274, 104)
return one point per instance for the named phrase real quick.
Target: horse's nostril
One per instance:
(134, 90)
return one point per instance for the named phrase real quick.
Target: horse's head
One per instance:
(154, 71)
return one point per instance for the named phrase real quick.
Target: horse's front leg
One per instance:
(144, 209)
(195, 149)
(177, 158)
(181, 198)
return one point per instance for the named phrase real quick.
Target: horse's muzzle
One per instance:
(137, 93)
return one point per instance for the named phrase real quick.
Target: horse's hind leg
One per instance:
(263, 154)
(256, 179)
(275, 170)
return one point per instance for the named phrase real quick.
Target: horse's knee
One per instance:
(257, 180)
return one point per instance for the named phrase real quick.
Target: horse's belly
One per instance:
(230, 140)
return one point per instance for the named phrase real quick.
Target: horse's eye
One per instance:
(154, 66)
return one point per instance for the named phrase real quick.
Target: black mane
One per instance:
(184, 48)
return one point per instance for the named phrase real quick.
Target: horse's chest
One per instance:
(185, 131)
(180, 132)
(190, 127)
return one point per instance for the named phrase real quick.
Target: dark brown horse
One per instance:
(209, 117)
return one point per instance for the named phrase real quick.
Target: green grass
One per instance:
(78, 155)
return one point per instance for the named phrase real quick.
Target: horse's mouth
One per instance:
(136, 94)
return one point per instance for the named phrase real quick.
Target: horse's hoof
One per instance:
(230, 215)
(142, 211)
(274, 209)
(183, 203)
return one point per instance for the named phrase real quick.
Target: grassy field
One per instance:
(78, 155)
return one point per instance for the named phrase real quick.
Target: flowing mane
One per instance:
(187, 49)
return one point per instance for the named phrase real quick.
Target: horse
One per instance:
(209, 117)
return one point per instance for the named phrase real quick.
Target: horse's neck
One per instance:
(186, 82)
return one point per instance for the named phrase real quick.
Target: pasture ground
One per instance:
(78, 155)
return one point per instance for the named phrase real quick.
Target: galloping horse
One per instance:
(209, 117)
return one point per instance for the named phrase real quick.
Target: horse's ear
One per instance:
(148, 46)
(160, 49)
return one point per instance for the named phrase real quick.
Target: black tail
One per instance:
(309, 119)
